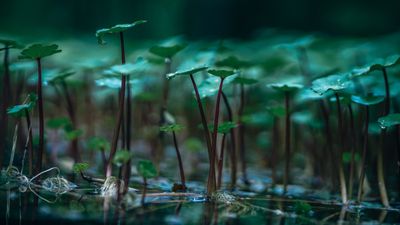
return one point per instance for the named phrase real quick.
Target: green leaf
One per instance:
(190, 71)
(285, 87)
(122, 157)
(221, 73)
(209, 87)
(60, 77)
(171, 128)
(232, 62)
(336, 83)
(80, 167)
(224, 127)
(146, 169)
(115, 29)
(244, 81)
(37, 51)
(73, 134)
(367, 100)
(18, 110)
(378, 64)
(129, 68)
(57, 123)
(389, 120)
(346, 157)
(167, 51)
(98, 143)
(11, 44)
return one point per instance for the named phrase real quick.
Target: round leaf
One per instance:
(80, 167)
(121, 157)
(190, 71)
(221, 73)
(389, 120)
(37, 51)
(285, 87)
(171, 128)
(378, 64)
(166, 51)
(11, 43)
(115, 29)
(337, 82)
(367, 100)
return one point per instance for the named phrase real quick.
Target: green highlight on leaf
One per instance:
(167, 51)
(190, 71)
(336, 83)
(377, 64)
(221, 73)
(367, 100)
(115, 29)
(146, 169)
(37, 51)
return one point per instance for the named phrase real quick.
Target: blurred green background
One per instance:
(199, 19)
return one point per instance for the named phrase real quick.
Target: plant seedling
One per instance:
(222, 74)
(23, 111)
(173, 128)
(6, 93)
(336, 83)
(102, 145)
(223, 129)
(147, 170)
(288, 90)
(125, 90)
(382, 65)
(37, 52)
(211, 185)
(366, 101)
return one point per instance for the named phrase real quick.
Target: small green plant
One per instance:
(125, 90)
(366, 101)
(37, 52)
(287, 90)
(173, 128)
(80, 167)
(23, 110)
(147, 170)
(102, 145)
(337, 84)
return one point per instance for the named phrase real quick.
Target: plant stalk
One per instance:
(232, 151)
(5, 100)
(144, 191)
(363, 157)
(287, 143)
(342, 178)
(41, 118)
(221, 162)
(29, 144)
(178, 155)
(353, 151)
(241, 131)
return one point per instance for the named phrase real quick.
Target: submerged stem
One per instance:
(221, 162)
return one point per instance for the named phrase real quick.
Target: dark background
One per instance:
(200, 18)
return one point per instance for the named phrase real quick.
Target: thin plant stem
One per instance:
(353, 151)
(214, 138)
(178, 155)
(363, 157)
(211, 178)
(221, 162)
(41, 118)
(232, 151)
(287, 142)
(5, 103)
(144, 191)
(117, 128)
(342, 179)
(380, 169)
(241, 130)
(29, 143)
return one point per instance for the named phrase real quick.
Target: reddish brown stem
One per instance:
(221, 162)
(29, 144)
(178, 155)
(41, 118)
(287, 142)
(241, 131)
(117, 128)
(232, 148)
